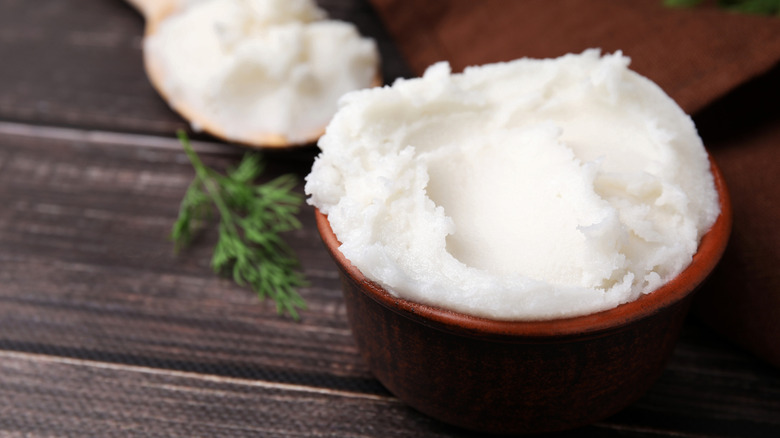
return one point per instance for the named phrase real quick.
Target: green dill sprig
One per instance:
(763, 7)
(250, 248)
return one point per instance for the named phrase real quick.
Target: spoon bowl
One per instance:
(155, 12)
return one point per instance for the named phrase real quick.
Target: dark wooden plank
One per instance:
(89, 275)
(104, 332)
(79, 63)
(88, 270)
(58, 398)
(53, 396)
(709, 388)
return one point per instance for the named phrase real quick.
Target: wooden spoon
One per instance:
(155, 12)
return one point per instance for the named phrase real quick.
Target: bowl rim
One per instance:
(710, 250)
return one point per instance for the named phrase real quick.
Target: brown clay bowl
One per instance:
(512, 377)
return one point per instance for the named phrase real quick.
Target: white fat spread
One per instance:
(255, 67)
(533, 189)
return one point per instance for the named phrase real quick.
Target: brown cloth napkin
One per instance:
(696, 55)
(720, 66)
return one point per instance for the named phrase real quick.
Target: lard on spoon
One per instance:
(258, 72)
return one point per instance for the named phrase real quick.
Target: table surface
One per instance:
(104, 331)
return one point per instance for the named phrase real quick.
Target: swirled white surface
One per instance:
(256, 67)
(533, 189)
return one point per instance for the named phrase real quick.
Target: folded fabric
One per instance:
(696, 55)
(718, 65)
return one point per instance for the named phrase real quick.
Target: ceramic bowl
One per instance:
(511, 377)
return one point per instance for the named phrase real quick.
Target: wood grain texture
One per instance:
(105, 332)
(88, 275)
(133, 401)
(57, 397)
(82, 68)
(85, 240)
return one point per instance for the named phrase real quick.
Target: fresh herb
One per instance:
(682, 3)
(252, 217)
(763, 7)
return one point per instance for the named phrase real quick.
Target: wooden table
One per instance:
(105, 332)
